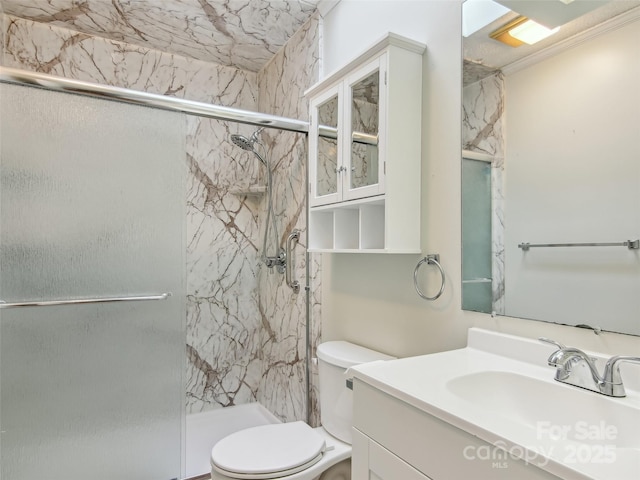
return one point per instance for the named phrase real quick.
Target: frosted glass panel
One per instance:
(92, 205)
(476, 236)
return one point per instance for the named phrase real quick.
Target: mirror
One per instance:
(365, 116)
(550, 143)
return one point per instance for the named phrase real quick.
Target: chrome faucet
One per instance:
(575, 367)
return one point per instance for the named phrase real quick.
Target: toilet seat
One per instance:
(268, 451)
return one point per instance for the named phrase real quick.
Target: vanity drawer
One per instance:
(433, 447)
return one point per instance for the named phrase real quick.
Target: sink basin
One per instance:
(552, 409)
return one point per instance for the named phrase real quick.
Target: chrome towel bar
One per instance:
(433, 259)
(77, 301)
(630, 244)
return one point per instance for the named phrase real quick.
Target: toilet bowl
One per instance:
(295, 451)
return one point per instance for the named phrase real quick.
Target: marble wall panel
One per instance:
(483, 121)
(223, 323)
(239, 33)
(282, 84)
(56, 51)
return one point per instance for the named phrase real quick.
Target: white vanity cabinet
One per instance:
(371, 461)
(365, 152)
(393, 440)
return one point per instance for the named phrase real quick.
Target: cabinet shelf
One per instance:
(348, 227)
(359, 226)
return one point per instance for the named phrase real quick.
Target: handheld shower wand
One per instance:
(248, 144)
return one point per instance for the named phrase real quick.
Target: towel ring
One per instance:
(433, 260)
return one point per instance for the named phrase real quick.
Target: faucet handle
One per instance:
(611, 379)
(552, 342)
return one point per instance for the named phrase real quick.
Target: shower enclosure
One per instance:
(91, 208)
(110, 229)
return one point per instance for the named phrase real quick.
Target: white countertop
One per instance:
(589, 447)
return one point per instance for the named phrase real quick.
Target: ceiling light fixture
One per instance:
(522, 30)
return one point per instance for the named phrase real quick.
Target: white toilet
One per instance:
(295, 451)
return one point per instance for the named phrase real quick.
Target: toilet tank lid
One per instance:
(345, 354)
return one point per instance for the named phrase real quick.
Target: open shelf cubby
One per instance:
(357, 226)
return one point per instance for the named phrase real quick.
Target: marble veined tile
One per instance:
(282, 84)
(483, 110)
(57, 51)
(224, 325)
(240, 33)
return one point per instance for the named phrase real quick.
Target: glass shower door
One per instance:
(91, 206)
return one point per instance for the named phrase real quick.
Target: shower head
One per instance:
(243, 142)
(247, 144)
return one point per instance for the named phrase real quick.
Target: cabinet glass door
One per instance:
(363, 168)
(326, 167)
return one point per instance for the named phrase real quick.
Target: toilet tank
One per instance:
(336, 400)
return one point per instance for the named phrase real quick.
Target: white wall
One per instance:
(369, 299)
(573, 175)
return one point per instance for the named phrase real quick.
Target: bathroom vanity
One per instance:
(489, 411)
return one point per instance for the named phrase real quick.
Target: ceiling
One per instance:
(247, 33)
(484, 55)
(240, 33)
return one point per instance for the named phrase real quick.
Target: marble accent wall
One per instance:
(293, 70)
(235, 33)
(483, 120)
(57, 51)
(242, 346)
(223, 323)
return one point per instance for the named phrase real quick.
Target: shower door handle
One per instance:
(294, 284)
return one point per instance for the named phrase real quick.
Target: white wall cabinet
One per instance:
(365, 152)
